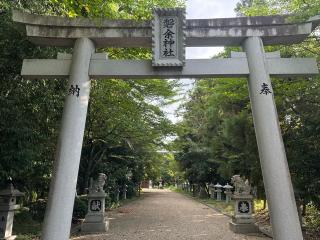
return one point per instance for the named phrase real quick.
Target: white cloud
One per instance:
(204, 9)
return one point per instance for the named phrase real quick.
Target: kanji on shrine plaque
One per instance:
(168, 37)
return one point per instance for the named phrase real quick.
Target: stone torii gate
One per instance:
(85, 35)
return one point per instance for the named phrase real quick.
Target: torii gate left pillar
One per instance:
(59, 209)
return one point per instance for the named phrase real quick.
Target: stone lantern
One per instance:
(211, 190)
(228, 192)
(218, 191)
(7, 207)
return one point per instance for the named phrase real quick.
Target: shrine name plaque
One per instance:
(168, 37)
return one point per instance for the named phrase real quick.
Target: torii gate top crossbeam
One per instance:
(60, 31)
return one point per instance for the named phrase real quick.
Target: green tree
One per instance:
(297, 99)
(29, 110)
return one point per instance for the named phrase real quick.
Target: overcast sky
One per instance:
(197, 9)
(208, 9)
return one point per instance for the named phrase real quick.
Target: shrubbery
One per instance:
(37, 209)
(80, 207)
(313, 218)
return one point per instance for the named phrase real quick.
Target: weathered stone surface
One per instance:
(274, 166)
(58, 215)
(58, 31)
(95, 227)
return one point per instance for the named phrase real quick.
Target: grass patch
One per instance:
(221, 206)
(173, 188)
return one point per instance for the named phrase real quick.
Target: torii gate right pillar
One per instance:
(274, 165)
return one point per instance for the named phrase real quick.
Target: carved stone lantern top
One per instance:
(10, 191)
(227, 186)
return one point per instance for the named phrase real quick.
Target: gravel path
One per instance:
(162, 214)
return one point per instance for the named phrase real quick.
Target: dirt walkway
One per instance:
(165, 215)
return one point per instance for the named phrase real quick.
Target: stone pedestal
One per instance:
(96, 220)
(274, 165)
(228, 192)
(7, 207)
(243, 221)
(228, 196)
(213, 195)
(57, 220)
(218, 191)
(117, 193)
(6, 221)
(125, 192)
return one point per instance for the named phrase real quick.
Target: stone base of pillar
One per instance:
(243, 228)
(93, 224)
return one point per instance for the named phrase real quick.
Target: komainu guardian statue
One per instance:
(97, 185)
(96, 220)
(242, 220)
(241, 186)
